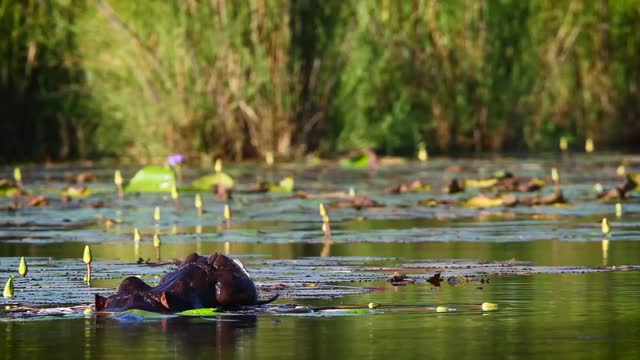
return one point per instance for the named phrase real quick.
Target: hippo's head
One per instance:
(233, 285)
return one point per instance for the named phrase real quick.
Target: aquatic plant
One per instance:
(23, 268)
(87, 259)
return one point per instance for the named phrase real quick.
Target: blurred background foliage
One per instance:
(238, 79)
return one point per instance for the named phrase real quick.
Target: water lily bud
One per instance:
(352, 192)
(618, 210)
(373, 305)
(86, 256)
(8, 288)
(156, 213)
(198, 201)
(136, 235)
(23, 269)
(423, 155)
(269, 158)
(323, 212)
(218, 166)
(487, 306)
(598, 188)
(227, 212)
(156, 240)
(17, 175)
(621, 171)
(564, 144)
(174, 192)
(554, 175)
(117, 178)
(606, 229)
(588, 145)
(442, 309)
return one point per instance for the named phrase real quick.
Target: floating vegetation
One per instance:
(151, 179)
(483, 207)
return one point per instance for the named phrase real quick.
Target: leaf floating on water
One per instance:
(201, 312)
(207, 182)
(347, 311)
(285, 185)
(126, 315)
(152, 179)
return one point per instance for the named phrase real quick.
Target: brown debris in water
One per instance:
(398, 278)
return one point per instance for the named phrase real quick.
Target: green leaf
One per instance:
(285, 185)
(152, 179)
(76, 192)
(206, 183)
(201, 312)
(358, 162)
(348, 311)
(9, 190)
(145, 314)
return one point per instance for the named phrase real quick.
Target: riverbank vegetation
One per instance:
(140, 80)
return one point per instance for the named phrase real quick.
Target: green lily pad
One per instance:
(348, 311)
(201, 312)
(152, 179)
(284, 186)
(207, 182)
(143, 314)
(9, 190)
(76, 192)
(357, 162)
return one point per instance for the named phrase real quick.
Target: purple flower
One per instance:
(175, 159)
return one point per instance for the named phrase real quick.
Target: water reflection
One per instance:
(569, 316)
(180, 337)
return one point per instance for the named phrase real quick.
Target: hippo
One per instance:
(199, 282)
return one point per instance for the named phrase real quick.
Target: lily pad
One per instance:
(76, 192)
(152, 179)
(480, 184)
(357, 162)
(9, 190)
(208, 181)
(202, 312)
(141, 314)
(284, 186)
(348, 311)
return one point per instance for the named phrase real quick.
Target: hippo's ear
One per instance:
(100, 302)
(241, 265)
(191, 258)
(212, 258)
(164, 300)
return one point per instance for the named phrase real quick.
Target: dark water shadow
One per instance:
(180, 337)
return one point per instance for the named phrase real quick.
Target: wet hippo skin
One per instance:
(199, 282)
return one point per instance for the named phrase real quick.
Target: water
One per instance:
(545, 312)
(569, 316)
